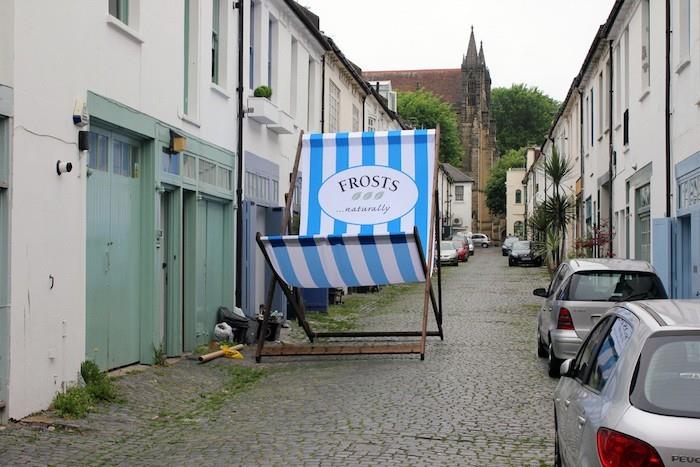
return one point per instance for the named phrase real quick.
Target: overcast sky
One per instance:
(537, 42)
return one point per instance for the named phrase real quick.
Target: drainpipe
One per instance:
(581, 154)
(610, 152)
(668, 108)
(323, 93)
(239, 168)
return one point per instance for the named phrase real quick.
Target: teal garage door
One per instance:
(212, 237)
(113, 213)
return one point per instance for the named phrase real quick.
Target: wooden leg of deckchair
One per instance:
(437, 311)
(262, 332)
(301, 316)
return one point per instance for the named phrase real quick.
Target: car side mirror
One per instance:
(541, 292)
(567, 368)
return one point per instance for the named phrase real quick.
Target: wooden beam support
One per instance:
(377, 334)
(311, 349)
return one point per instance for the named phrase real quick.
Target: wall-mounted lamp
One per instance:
(63, 167)
(178, 143)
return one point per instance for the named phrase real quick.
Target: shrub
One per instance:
(103, 390)
(76, 402)
(263, 91)
(90, 372)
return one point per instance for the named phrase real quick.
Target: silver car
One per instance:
(580, 292)
(481, 240)
(448, 253)
(632, 394)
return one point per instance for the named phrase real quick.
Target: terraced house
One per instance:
(630, 125)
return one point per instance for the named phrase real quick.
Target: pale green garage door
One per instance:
(113, 213)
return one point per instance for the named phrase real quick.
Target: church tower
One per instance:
(478, 132)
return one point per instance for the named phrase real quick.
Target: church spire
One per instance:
(482, 60)
(472, 57)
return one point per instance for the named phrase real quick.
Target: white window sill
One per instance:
(221, 91)
(190, 119)
(124, 29)
(644, 95)
(685, 61)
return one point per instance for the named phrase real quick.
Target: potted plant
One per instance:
(263, 91)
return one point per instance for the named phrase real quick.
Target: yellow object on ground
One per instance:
(232, 351)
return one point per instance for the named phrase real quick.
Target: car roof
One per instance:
(679, 313)
(609, 264)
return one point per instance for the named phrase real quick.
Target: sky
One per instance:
(537, 42)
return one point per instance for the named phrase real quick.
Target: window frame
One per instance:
(605, 323)
(459, 193)
(216, 41)
(614, 320)
(333, 107)
(518, 196)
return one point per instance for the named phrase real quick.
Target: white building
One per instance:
(515, 202)
(455, 200)
(640, 169)
(133, 248)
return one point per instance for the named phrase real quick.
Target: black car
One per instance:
(523, 252)
(508, 244)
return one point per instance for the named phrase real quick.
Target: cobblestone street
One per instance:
(481, 397)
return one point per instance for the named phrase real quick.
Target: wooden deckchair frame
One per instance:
(295, 299)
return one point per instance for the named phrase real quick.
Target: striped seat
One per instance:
(323, 261)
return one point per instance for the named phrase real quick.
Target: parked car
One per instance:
(631, 396)
(467, 238)
(522, 252)
(481, 240)
(448, 253)
(581, 291)
(508, 244)
(462, 247)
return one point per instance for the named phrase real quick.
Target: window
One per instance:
(589, 215)
(371, 123)
(518, 196)
(591, 124)
(601, 104)
(190, 102)
(189, 167)
(609, 353)
(684, 34)
(272, 55)
(626, 37)
(459, 193)
(643, 230)
(223, 178)
(355, 118)
(251, 47)
(98, 154)
(518, 229)
(646, 44)
(614, 286)
(311, 96)
(293, 79)
(215, 37)
(333, 108)
(262, 189)
(4, 208)
(120, 10)
(125, 159)
(626, 127)
(585, 357)
(667, 382)
(618, 86)
(207, 172)
(170, 162)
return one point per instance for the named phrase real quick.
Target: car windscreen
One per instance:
(510, 241)
(446, 246)
(521, 246)
(668, 378)
(614, 286)
(458, 244)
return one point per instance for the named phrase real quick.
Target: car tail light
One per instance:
(620, 450)
(565, 322)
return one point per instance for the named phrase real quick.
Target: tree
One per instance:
(426, 110)
(496, 184)
(523, 116)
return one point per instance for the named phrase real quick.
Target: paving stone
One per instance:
(481, 397)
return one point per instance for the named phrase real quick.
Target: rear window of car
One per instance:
(668, 378)
(611, 286)
(458, 243)
(447, 246)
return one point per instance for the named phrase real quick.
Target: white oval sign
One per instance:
(368, 195)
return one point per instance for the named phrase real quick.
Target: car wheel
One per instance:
(484, 245)
(541, 348)
(554, 362)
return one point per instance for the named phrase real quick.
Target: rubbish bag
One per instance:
(223, 332)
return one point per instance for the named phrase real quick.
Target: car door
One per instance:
(590, 402)
(569, 391)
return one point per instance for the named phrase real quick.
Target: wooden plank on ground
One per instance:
(312, 349)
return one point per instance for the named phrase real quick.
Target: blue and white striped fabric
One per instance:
(349, 260)
(324, 155)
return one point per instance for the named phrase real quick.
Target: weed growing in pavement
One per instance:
(77, 401)
(160, 357)
(239, 379)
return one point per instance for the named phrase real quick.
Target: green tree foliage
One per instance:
(523, 116)
(426, 110)
(496, 184)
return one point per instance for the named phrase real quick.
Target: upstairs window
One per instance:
(646, 44)
(518, 196)
(459, 193)
(215, 38)
(120, 10)
(333, 108)
(355, 118)
(251, 47)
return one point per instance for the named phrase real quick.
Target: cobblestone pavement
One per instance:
(481, 397)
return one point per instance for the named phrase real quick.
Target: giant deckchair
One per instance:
(369, 216)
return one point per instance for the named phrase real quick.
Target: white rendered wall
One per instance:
(56, 62)
(514, 211)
